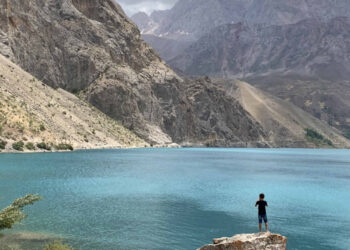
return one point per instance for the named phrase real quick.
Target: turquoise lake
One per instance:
(182, 198)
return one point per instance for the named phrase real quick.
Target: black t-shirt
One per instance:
(262, 204)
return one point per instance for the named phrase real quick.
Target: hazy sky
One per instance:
(133, 6)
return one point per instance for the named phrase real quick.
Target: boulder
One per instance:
(258, 241)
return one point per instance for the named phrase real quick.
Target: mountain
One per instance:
(328, 101)
(191, 19)
(33, 113)
(143, 21)
(308, 48)
(92, 49)
(306, 63)
(284, 122)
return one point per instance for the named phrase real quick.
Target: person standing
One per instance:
(262, 204)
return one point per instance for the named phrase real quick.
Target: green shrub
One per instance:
(44, 146)
(316, 138)
(313, 134)
(30, 146)
(57, 245)
(18, 146)
(14, 213)
(64, 146)
(42, 127)
(3, 144)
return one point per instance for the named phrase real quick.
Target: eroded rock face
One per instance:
(260, 241)
(91, 47)
(309, 48)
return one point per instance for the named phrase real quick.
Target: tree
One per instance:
(13, 214)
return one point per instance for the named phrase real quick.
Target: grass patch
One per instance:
(316, 138)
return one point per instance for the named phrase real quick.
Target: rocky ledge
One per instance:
(259, 241)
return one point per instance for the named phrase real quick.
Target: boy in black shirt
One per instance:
(262, 212)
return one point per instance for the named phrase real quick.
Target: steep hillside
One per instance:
(285, 123)
(92, 48)
(309, 48)
(33, 112)
(307, 63)
(328, 101)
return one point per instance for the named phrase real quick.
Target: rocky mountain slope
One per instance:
(306, 63)
(308, 48)
(191, 19)
(328, 101)
(92, 48)
(33, 112)
(284, 122)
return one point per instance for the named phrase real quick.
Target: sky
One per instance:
(133, 6)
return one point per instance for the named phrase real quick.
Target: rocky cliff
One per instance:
(260, 241)
(309, 48)
(92, 49)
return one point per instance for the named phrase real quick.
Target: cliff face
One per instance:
(309, 48)
(267, 241)
(92, 48)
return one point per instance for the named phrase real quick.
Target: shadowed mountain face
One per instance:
(309, 48)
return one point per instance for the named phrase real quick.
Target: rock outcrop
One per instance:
(259, 241)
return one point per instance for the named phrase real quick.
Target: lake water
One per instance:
(182, 198)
